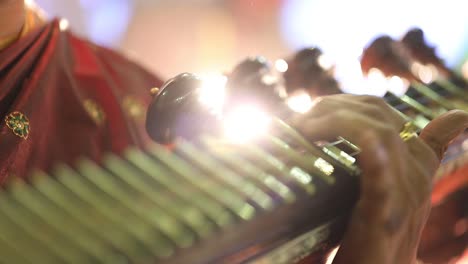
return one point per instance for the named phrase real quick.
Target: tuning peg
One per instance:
(252, 81)
(414, 41)
(392, 59)
(250, 67)
(389, 56)
(420, 51)
(309, 70)
(177, 111)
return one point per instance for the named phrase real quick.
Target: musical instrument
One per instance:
(308, 71)
(156, 207)
(277, 199)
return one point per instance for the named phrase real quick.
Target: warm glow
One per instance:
(63, 24)
(300, 102)
(465, 70)
(464, 258)
(325, 62)
(376, 75)
(397, 85)
(350, 74)
(245, 123)
(424, 72)
(376, 79)
(434, 71)
(465, 145)
(281, 65)
(332, 256)
(269, 79)
(212, 92)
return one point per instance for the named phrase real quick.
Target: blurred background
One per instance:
(174, 36)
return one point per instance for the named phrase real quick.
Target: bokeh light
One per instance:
(104, 22)
(343, 28)
(300, 102)
(245, 123)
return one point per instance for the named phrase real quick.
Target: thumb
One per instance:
(441, 131)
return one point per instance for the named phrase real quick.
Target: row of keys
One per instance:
(149, 205)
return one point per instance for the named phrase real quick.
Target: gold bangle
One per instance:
(409, 131)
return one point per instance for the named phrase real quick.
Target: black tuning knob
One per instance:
(306, 70)
(176, 111)
(389, 56)
(252, 81)
(415, 42)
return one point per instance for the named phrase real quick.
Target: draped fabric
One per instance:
(62, 97)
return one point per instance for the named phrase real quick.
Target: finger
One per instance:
(352, 126)
(442, 130)
(369, 223)
(424, 156)
(377, 180)
(416, 186)
(355, 128)
(371, 106)
(341, 122)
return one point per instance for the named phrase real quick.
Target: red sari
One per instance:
(62, 97)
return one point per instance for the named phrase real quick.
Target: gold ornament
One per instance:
(95, 111)
(410, 130)
(133, 107)
(18, 123)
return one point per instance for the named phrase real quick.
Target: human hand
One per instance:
(443, 237)
(387, 221)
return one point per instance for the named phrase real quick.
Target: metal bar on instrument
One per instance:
(311, 148)
(307, 162)
(416, 105)
(57, 250)
(451, 87)
(250, 170)
(111, 211)
(429, 93)
(270, 162)
(192, 192)
(239, 203)
(115, 237)
(154, 224)
(10, 254)
(86, 245)
(20, 240)
(185, 211)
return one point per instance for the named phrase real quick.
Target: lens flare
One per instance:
(465, 70)
(325, 62)
(212, 92)
(427, 73)
(245, 123)
(300, 102)
(332, 255)
(397, 85)
(281, 65)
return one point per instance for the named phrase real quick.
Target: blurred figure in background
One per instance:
(62, 97)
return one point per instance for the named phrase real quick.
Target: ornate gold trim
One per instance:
(95, 111)
(133, 107)
(18, 123)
